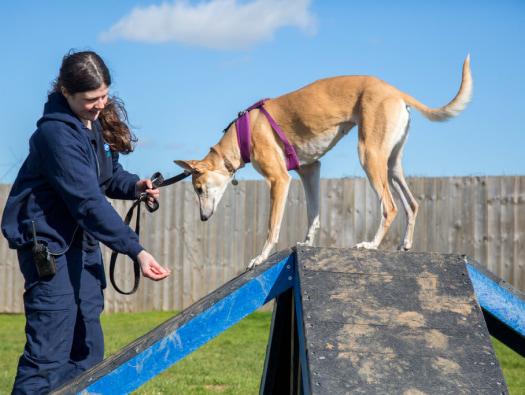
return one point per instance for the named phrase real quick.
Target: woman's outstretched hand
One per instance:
(150, 267)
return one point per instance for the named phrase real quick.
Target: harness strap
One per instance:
(242, 124)
(158, 181)
(289, 151)
(243, 135)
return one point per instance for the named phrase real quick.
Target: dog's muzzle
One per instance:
(206, 213)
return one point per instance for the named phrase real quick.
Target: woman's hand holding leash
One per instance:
(146, 186)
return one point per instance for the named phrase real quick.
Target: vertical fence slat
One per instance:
(507, 228)
(493, 225)
(441, 215)
(360, 204)
(417, 188)
(519, 232)
(479, 215)
(347, 232)
(5, 262)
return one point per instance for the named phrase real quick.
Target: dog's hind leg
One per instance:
(375, 145)
(378, 177)
(397, 178)
(310, 177)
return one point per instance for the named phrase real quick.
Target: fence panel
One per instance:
(480, 216)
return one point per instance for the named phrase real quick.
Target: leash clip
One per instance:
(157, 179)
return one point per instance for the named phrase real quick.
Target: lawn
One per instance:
(230, 364)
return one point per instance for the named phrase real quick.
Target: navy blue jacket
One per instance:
(63, 184)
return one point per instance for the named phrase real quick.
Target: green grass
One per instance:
(513, 366)
(230, 364)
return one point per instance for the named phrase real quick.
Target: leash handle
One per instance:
(151, 206)
(114, 254)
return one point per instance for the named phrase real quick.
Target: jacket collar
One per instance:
(57, 109)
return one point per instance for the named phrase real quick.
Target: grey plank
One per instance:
(366, 373)
(381, 323)
(346, 260)
(447, 342)
(383, 300)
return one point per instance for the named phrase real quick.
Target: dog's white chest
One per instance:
(312, 149)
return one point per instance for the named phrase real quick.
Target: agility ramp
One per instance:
(393, 323)
(345, 321)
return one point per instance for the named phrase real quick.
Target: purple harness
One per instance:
(243, 136)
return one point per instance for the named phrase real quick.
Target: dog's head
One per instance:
(209, 181)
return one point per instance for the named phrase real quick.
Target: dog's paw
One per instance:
(367, 245)
(404, 247)
(255, 262)
(306, 243)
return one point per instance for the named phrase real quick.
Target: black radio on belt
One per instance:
(44, 261)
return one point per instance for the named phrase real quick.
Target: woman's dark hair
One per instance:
(86, 71)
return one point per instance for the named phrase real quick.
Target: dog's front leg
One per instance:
(278, 193)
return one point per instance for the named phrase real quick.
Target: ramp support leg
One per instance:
(282, 371)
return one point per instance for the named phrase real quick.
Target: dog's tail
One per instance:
(456, 105)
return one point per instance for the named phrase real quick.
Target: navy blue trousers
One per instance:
(63, 332)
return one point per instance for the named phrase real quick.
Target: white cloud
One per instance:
(218, 24)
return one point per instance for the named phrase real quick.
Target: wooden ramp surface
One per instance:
(392, 323)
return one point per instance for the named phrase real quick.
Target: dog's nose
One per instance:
(204, 218)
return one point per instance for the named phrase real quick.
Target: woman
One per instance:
(59, 198)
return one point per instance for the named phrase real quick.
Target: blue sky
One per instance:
(185, 68)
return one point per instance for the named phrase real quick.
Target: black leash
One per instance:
(158, 181)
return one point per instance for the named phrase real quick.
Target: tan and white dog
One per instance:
(314, 118)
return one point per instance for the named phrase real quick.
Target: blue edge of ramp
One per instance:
(156, 351)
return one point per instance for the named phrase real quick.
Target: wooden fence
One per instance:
(479, 216)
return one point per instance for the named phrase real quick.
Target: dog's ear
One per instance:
(188, 165)
(193, 166)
